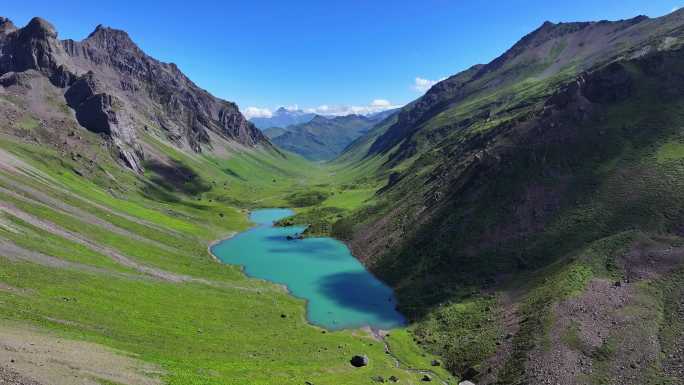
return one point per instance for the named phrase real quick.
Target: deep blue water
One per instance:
(340, 292)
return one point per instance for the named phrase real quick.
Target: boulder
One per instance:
(359, 361)
(465, 383)
(394, 379)
(435, 363)
(426, 378)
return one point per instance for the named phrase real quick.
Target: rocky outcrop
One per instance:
(96, 110)
(32, 47)
(116, 90)
(6, 25)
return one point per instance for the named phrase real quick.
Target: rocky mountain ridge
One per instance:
(554, 51)
(115, 89)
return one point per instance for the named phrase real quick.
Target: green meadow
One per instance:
(202, 322)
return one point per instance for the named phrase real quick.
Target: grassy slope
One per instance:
(639, 162)
(625, 185)
(625, 173)
(227, 332)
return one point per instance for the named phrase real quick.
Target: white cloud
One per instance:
(381, 103)
(422, 85)
(375, 106)
(256, 112)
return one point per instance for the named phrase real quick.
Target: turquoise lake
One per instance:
(340, 292)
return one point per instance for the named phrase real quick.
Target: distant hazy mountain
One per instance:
(324, 137)
(283, 118)
(382, 115)
(273, 132)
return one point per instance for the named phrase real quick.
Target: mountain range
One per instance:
(324, 137)
(527, 213)
(283, 117)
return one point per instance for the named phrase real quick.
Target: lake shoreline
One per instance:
(377, 319)
(216, 242)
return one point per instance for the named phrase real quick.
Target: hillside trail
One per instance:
(381, 335)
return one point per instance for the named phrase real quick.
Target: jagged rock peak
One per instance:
(40, 27)
(110, 38)
(6, 25)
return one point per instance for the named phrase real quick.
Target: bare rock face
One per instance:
(32, 47)
(189, 112)
(96, 110)
(116, 90)
(6, 25)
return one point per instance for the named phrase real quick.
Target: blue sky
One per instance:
(311, 53)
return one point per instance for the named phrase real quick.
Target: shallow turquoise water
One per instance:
(340, 292)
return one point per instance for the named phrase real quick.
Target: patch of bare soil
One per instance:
(673, 365)
(648, 260)
(31, 357)
(580, 326)
(10, 377)
(609, 333)
(511, 326)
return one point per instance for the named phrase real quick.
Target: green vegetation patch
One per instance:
(670, 151)
(463, 332)
(28, 123)
(307, 198)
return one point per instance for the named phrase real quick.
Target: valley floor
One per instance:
(105, 277)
